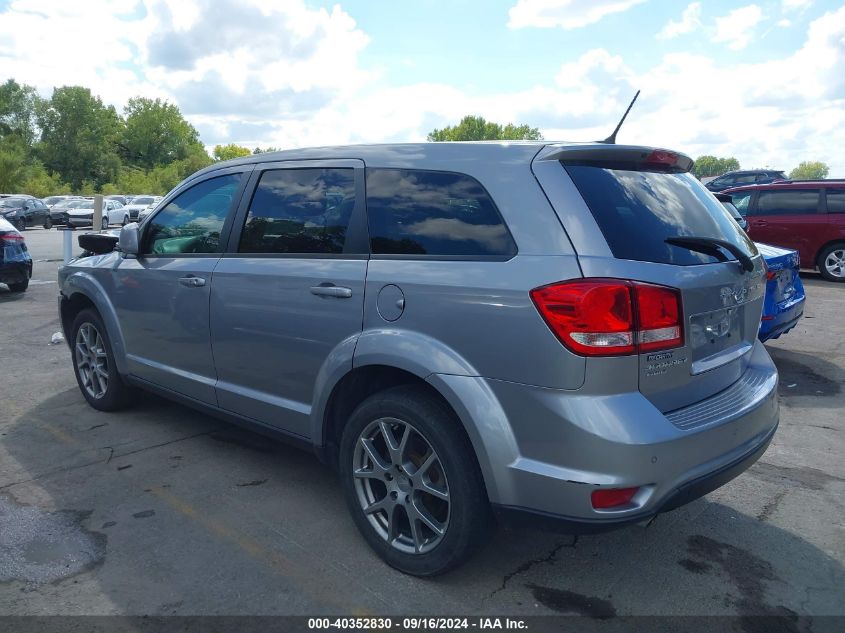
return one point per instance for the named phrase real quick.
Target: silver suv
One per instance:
(465, 331)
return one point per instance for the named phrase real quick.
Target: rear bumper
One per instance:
(782, 322)
(565, 445)
(15, 272)
(685, 493)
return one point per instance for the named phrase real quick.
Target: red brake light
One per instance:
(11, 237)
(611, 317)
(612, 497)
(661, 157)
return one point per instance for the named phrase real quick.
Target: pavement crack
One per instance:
(529, 564)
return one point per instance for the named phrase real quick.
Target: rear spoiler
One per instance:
(629, 157)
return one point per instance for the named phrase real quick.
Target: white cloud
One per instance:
(784, 24)
(792, 5)
(567, 14)
(737, 27)
(690, 21)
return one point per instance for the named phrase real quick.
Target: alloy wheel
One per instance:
(92, 360)
(401, 485)
(834, 263)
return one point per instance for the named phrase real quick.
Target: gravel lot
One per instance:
(161, 510)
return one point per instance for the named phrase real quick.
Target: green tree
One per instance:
(79, 137)
(706, 166)
(476, 128)
(230, 151)
(155, 133)
(258, 150)
(18, 104)
(810, 170)
(12, 165)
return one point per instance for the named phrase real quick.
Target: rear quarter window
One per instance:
(836, 200)
(434, 213)
(638, 210)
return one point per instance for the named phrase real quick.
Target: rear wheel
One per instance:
(125, 220)
(48, 223)
(21, 286)
(412, 482)
(105, 223)
(94, 366)
(832, 262)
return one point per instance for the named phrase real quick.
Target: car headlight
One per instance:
(10, 214)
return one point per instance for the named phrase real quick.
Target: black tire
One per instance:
(116, 394)
(48, 223)
(20, 225)
(832, 274)
(125, 220)
(104, 224)
(21, 286)
(469, 520)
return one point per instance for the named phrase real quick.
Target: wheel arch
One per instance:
(825, 246)
(80, 291)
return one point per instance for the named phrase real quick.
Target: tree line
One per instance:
(73, 143)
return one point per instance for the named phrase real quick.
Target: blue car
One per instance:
(15, 261)
(784, 302)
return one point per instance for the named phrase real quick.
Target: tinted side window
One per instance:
(836, 200)
(299, 211)
(192, 222)
(417, 212)
(745, 179)
(788, 202)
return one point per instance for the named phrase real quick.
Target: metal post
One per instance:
(67, 244)
(98, 212)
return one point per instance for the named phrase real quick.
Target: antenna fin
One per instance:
(611, 140)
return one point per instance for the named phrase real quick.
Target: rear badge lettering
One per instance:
(661, 363)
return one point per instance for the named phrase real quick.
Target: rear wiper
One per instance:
(710, 245)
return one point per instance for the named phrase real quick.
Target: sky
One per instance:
(763, 81)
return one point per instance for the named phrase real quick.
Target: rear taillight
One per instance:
(611, 317)
(14, 238)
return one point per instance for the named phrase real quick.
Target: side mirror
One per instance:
(129, 239)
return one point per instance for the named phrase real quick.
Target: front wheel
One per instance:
(94, 366)
(105, 223)
(412, 482)
(20, 225)
(125, 220)
(832, 262)
(48, 223)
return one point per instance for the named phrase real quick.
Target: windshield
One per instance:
(142, 201)
(638, 210)
(81, 204)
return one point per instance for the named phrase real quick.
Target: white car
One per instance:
(145, 212)
(82, 214)
(139, 203)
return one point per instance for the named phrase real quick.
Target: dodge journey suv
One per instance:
(465, 331)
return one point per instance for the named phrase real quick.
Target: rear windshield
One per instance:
(638, 210)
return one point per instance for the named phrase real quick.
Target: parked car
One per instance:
(59, 210)
(124, 200)
(808, 216)
(783, 305)
(82, 213)
(744, 177)
(138, 204)
(52, 200)
(24, 211)
(149, 209)
(462, 330)
(15, 260)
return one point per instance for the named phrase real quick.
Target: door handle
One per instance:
(331, 291)
(192, 281)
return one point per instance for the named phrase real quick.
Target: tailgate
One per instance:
(619, 205)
